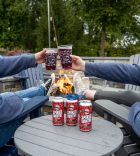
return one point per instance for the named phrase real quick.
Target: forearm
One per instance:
(118, 72)
(121, 97)
(14, 64)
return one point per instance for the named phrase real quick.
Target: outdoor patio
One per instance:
(14, 84)
(51, 34)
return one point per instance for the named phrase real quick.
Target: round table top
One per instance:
(38, 137)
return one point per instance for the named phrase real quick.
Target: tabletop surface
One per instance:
(38, 137)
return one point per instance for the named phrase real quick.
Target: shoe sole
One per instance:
(53, 80)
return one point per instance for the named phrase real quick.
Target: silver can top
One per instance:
(72, 101)
(85, 103)
(58, 99)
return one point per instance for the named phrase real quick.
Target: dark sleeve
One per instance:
(117, 72)
(10, 65)
(121, 97)
(134, 117)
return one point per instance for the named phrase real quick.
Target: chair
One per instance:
(117, 113)
(31, 76)
(7, 129)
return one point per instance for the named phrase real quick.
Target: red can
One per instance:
(58, 111)
(85, 115)
(72, 112)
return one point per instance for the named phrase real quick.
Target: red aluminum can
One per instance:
(72, 112)
(58, 111)
(85, 115)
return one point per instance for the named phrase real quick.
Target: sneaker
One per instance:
(48, 85)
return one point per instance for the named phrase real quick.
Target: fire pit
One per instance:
(63, 85)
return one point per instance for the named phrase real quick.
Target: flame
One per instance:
(64, 84)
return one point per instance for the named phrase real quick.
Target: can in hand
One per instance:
(85, 115)
(58, 111)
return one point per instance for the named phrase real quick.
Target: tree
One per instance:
(18, 24)
(108, 19)
(69, 27)
(13, 16)
(91, 26)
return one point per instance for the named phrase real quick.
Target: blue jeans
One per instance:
(19, 106)
(29, 93)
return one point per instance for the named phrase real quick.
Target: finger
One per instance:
(44, 50)
(74, 57)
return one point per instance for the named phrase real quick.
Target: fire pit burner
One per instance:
(62, 86)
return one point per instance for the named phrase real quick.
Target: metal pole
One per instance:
(49, 28)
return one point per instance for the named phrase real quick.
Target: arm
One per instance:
(134, 117)
(118, 72)
(14, 64)
(121, 97)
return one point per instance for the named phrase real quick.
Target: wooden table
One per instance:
(38, 137)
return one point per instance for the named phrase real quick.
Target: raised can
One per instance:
(85, 115)
(58, 111)
(72, 112)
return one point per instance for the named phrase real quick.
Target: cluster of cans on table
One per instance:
(77, 112)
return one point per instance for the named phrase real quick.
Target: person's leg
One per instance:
(42, 90)
(28, 93)
(31, 92)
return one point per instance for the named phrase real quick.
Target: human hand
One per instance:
(77, 63)
(39, 56)
(90, 94)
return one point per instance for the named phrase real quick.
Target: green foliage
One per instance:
(12, 18)
(68, 27)
(114, 18)
(24, 24)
